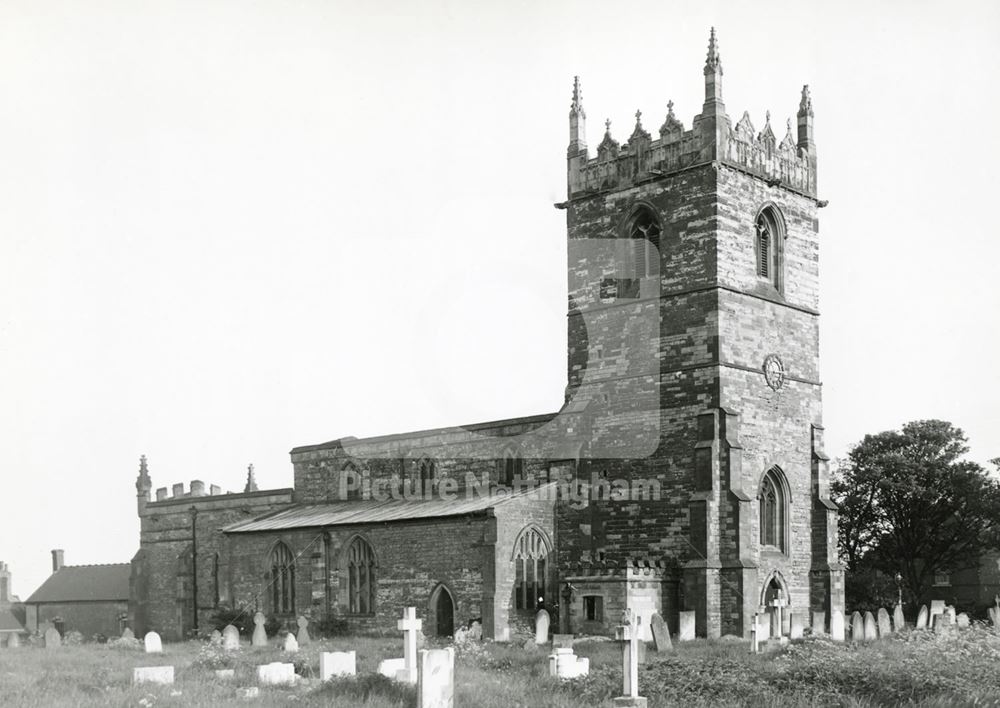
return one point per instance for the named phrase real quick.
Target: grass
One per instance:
(911, 669)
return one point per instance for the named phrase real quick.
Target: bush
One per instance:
(330, 627)
(241, 618)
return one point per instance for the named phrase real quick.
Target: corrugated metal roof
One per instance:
(9, 623)
(368, 512)
(74, 583)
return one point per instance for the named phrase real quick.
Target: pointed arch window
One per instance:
(769, 237)
(281, 580)
(427, 471)
(360, 578)
(531, 552)
(511, 467)
(773, 501)
(644, 242)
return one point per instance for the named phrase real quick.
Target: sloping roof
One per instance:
(371, 511)
(75, 583)
(9, 623)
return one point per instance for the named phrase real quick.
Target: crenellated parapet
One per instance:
(789, 162)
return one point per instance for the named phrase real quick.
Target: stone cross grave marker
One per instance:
(291, 643)
(797, 625)
(542, 620)
(922, 617)
(871, 630)
(436, 678)
(127, 633)
(276, 673)
(216, 638)
(884, 624)
(898, 621)
(153, 643)
(837, 625)
(337, 663)
(628, 635)
(685, 630)
(259, 635)
(857, 627)
(754, 639)
(153, 674)
(409, 626)
(52, 638)
(661, 633)
(230, 638)
(818, 622)
(303, 637)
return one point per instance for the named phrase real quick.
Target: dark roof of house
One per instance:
(77, 583)
(372, 511)
(9, 623)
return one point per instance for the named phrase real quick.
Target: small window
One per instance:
(511, 467)
(942, 577)
(593, 608)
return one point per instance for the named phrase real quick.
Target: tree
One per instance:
(910, 503)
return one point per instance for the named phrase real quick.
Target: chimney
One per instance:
(57, 559)
(179, 489)
(161, 494)
(197, 488)
(215, 489)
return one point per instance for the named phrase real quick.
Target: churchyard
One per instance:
(952, 663)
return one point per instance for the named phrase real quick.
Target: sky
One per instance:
(231, 228)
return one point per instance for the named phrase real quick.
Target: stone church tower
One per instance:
(694, 346)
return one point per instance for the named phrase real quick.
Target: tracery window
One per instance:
(768, 246)
(530, 569)
(360, 578)
(772, 504)
(281, 580)
(644, 239)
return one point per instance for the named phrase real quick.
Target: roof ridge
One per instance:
(91, 565)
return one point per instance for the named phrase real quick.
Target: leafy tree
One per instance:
(910, 503)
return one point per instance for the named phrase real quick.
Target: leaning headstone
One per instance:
(216, 638)
(303, 637)
(127, 633)
(963, 620)
(436, 678)
(837, 626)
(661, 633)
(542, 620)
(819, 622)
(884, 624)
(230, 638)
(153, 643)
(153, 674)
(390, 668)
(796, 625)
(337, 663)
(259, 635)
(871, 629)
(922, 617)
(291, 643)
(562, 641)
(276, 673)
(410, 627)
(686, 628)
(52, 638)
(857, 627)
(898, 621)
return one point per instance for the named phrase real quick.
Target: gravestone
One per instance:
(796, 625)
(153, 643)
(303, 637)
(337, 663)
(564, 664)
(216, 638)
(461, 635)
(562, 641)
(837, 626)
(436, 678)
(542, 620)
(937, 608)
(127, 633)
(685, 632)
(225, 674)
(763, 627)
(52, 638)
(661, 633)
(13, 641)
(409, 626)
(922, 617)
(871, 629)
(962, 620)
(259, 635)
(994, 616)
(898, 621)
(857, 627)
(275, 674)
(291, 643)
(819, 622)
(153, 674)
(628, 634)
(230, 638)
(248, 692)
(754, 638)
(884, 623)
(391, 667)
(476, 631)
(949, 615)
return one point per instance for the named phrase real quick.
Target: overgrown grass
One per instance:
(912, 669)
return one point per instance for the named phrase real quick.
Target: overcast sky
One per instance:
(231, 228)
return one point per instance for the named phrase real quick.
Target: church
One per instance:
(685, 470)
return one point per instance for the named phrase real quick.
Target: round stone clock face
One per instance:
(774, 371)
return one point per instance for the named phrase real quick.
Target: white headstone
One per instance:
(763, 626)
(153, 643)
(796, 626)
(153, 674)
(837, 626)
(13, 641)
(898, 621)
(291, 643)
(303, 637)
(871, 629)
(857, 627)
(884, 623)
(391, 667)
(225, 674)
(230, 638)
(337, 663)
(937, 608)
(248, 692)
(276, 673)
(542, 620)
(436, 678)
(52, 638)
(686, 629)
(564, 664)
(819, 622)
(661, 633)
(259, 634)
(962, 620)
(922, 617)
(409, 626)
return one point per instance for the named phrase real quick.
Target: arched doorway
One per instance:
(774, 604)
(443, 607)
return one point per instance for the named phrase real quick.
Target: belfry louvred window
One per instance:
(281, 580)
(769, 246)
(360, 578)
(644, 236)
(530, 570)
